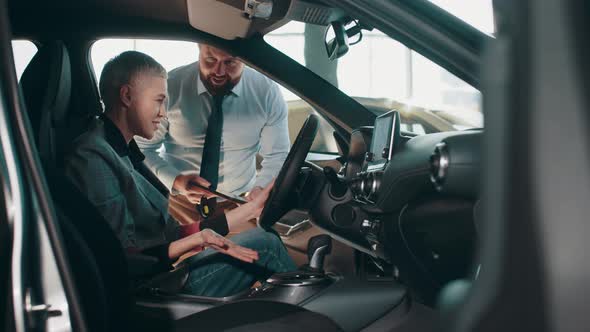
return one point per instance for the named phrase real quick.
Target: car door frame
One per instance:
(39, 270)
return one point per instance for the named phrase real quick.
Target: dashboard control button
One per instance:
(366, 184)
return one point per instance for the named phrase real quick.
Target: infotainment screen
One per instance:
(384, 133)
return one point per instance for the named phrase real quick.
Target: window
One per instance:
(478, 13)
(169, 53)
(172, 54)
(383, 74)
(24, 51)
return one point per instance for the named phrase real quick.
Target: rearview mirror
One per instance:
(338, 45)
(338, 35)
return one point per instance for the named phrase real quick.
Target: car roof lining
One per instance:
(32, 18)
(173, 11)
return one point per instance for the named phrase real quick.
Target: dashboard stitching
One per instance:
(401, 233)
(406, 175)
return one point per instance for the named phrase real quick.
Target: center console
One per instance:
(347, 205)
(351, 302)
(386, 135)
(297, 286)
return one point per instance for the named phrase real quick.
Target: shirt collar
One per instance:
(237, 90)
(116, 140)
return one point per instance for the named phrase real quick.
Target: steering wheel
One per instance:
(276, 204)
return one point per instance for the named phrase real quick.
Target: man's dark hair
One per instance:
(121, 70)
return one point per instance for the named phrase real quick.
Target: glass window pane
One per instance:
(24, 51)
(170, 53)
(374, 68)
(478, 13)
(293, 42)
(383, 74)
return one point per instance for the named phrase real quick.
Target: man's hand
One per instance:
(225, 246)
(182, 184)
(259, 200)
(255, 192)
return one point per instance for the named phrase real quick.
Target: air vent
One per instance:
(316, 15)
(439, 165)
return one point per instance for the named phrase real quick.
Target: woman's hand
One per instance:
(208, 238)
(225, 246)
(238, 219)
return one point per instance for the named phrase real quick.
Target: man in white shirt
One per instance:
(253, 120)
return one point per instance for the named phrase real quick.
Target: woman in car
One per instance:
(103, 163)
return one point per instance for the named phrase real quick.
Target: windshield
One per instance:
(478, 13)
(383, 74)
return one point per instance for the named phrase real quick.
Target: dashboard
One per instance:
(406, 200)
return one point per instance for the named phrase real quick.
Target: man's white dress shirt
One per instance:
(254, 120)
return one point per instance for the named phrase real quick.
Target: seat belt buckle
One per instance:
(206, 207)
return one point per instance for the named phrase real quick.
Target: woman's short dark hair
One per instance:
(121, 70)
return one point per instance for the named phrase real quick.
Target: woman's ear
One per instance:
(125, 95)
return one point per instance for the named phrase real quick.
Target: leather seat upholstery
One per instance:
(46, 85)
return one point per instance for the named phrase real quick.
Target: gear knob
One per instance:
(317, 248)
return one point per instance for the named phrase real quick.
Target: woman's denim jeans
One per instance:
(220, 275)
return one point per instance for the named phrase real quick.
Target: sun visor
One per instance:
(231, 19)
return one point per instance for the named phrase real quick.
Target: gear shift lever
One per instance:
(311, 274)
(317, 248)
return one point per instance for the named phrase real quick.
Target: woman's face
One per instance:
(148, 104)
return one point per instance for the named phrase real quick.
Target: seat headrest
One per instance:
(46, 86)
(46, 83)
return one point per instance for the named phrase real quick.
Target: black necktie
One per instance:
(212, 148)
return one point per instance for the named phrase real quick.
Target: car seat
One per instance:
(97, 260)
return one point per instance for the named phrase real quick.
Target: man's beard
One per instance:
(218, 89)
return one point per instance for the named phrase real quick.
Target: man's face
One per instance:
(147, 104)
(219, 71)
